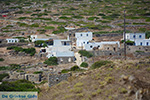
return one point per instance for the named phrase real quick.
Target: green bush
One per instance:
(49, 27)
(1, 59)
(30, 51)
(64, 17)
(65, 71)
(128, 42)
(60, 29)
(3, 76)
(19, 85)
(74, 68)
(148, 34)
(98, 64)
(51, 61)
(78, 17)
(84, 64)
(92, 18)
(38, 72)
(139, 51)
(11, 67)
(85, 53)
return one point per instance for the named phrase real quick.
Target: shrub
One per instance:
(1, 59)
(30, 51)
(92, 18)
(85, 53)
(19, 85)
(98, 64)
(65, 71)
(3, 76)
(138, 51)
(51, 61)
(147, 35)
(49, 27)
(38, 72)
(74, 68)
(84, 64)
(128, 42)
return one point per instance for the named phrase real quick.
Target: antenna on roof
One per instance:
(124, 35)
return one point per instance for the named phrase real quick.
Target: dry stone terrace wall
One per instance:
(12, 44)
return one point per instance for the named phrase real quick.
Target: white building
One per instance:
(12, 40)
(38, 37)
(83, 38)
(100, 45)
(60, 48)
(138, 38)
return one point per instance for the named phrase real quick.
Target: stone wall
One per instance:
(132, 49)
(22, 75)
(12, 44)
(57, 78)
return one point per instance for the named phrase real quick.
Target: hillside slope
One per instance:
(104, 83)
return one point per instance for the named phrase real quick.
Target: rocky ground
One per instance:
(110, 82)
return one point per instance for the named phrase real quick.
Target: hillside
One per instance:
(101, 16)
(105, 83)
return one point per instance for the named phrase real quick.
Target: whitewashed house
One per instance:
(38, 37)
(83, 38)
(62, 50)
(84, 41)
(138, 38)
(101, 45)
(12, 40)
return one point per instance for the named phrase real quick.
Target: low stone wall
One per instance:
(12, 44)
(57, 78)
(132, 49)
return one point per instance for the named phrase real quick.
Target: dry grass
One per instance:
(99, 84)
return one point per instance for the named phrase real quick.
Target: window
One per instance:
(65, 43)
(61, 59)
(108, 48)
(140, 36)
(147, 43)
(69, 60)
(83, 42)
(87, 42)
(114, 49)
(12, 41)
(91, 46)
(141, 43)
(81, 34)
(86, 34)
(134, 36)
(9, 40)
(98, 46)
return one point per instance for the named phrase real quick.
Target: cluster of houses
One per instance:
(63, 49)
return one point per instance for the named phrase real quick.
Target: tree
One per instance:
(51, 61)
(85, 53)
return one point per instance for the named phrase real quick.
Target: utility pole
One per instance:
(124, 36)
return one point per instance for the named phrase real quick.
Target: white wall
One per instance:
(142, 42)
(12, 40)
(33, 37)
(134, 36)
(90, 46)
(138, 38)
(83, 38)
